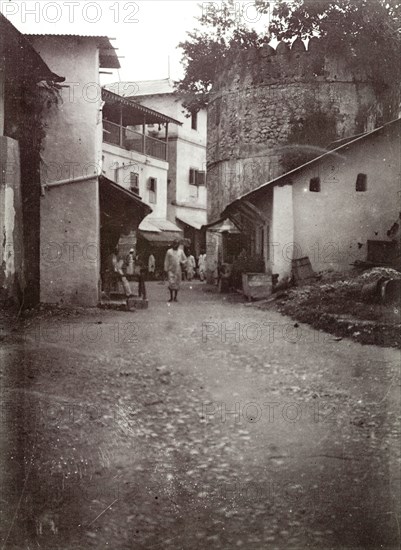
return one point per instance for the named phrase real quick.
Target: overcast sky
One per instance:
(147, 31)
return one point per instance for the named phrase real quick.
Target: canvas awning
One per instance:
(164, 238)
(158, 225)
(160, 232)
(194, 217)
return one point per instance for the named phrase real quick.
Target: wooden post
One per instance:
(143, 134)
(166, 140)
(121, 127)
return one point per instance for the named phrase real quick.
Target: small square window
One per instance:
(361, 182)
(314, 185)
(197, 177)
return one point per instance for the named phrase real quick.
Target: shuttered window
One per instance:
(152, 188)
(361, 182)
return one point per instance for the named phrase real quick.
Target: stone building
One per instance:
(337, 209)
(275, 109)
(83, 213)
(23, 74)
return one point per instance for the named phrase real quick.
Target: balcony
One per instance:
(118, 135)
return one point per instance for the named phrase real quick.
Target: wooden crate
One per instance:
(257, 285)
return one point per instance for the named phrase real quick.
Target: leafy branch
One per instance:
(366, 32)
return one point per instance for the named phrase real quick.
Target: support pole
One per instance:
(121, 126)
(143, 135)
(166, 156)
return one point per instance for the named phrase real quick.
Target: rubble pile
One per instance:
(351, 305)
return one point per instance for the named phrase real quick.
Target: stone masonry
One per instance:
(264, 99)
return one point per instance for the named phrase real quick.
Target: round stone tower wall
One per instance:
(274, 109)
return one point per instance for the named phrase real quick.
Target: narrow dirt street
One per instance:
(200, 424)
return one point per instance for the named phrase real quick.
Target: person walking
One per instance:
(151, 266)
(191, 264)
(173, 263)
(141, 271)
(202, 266)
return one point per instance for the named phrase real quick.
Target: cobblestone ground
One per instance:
(201, 424)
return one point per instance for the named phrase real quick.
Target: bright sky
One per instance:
(147, 32)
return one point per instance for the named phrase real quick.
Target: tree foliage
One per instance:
(206, 49)
(367, 32)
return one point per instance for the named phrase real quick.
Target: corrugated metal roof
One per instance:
(107, 54)
(142, 87)
(152, 115)
(334, 152)
(194, 217)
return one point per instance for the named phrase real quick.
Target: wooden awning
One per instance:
(134, 114)
(120, 208)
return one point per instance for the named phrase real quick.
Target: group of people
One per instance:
(177, 265)
(193, 267)
(121, 269)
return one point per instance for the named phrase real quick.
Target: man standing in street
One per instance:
(175, 259)
(202, 266)
(151, 266)
(191, 264)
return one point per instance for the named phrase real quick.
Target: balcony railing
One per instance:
(134, 141)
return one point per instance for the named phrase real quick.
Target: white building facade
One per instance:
(186, 179)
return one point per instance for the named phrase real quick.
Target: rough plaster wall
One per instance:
(11, 243)
(256, 100)
(70, 254)
(329, 225)
(282, 231)
(73, 142)
(187, 150)
(264, 203)
(146, 167)
(72, 148)
(9, 225)
(190, 156)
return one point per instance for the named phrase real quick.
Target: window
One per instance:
(361, 182)
(194, 120)
(314, 185)
(200, 177)
(197, 177)
(134, 182)
(192, 176)
(152, 187)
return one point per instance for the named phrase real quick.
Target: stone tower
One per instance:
(274, 109)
